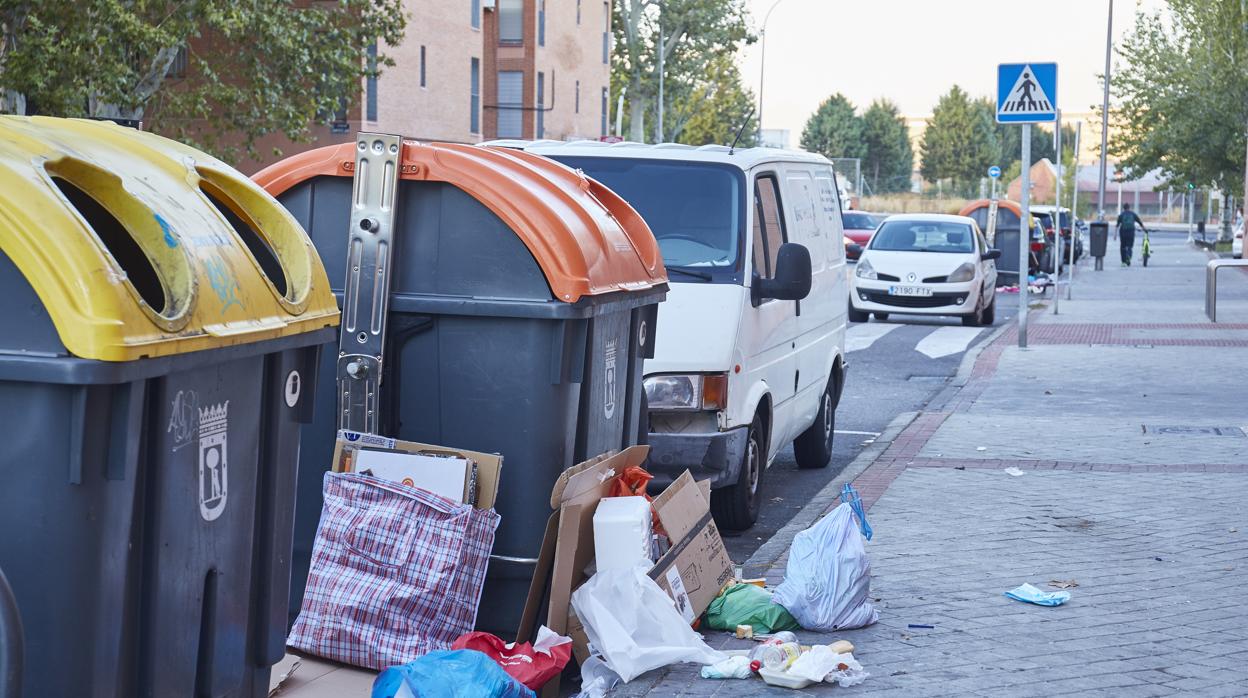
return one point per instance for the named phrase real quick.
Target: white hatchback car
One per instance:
(926, 264)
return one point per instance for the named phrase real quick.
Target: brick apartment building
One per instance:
(475, 70)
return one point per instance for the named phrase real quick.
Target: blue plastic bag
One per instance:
(1031, 594)
(449, 674)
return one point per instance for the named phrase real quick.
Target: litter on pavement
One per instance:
(1013, 471)
(1030, 594)
(827, 582)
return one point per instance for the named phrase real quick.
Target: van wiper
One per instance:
(695, 274)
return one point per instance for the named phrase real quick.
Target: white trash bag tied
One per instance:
(827, 583)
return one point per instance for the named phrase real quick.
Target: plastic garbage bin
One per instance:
(523, 300)
(1099, 237)
(161, 319)
(1006, 240)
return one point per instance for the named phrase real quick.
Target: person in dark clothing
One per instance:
(1125, 232)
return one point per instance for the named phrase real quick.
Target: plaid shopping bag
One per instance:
(396, 572)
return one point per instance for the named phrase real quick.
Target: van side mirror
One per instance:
(991, 254)
(792, 278)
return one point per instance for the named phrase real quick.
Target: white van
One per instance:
(749, 355)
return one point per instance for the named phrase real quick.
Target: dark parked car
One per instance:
(1045, 214)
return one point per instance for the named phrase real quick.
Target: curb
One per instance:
(766, 556)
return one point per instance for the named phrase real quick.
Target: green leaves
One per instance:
(959, 143)
(834, 130)
(704, 98)
(253, 68)
(1181, 97)
(889, 159)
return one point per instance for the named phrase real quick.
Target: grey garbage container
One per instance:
(152, 385)
(1099, 237)
(1006, 240)
(522, 305)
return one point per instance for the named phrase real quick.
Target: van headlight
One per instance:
(966, 272)
(865, 270)
(687, 392)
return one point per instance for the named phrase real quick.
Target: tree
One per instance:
(834, 130)
(715, 108)
(959, 143)
(692, 30)
(1181, 99)
(889, 159)
(254, 68)
(1009, 137)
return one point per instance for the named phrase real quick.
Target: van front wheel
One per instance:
(735, 507)
(813, 449)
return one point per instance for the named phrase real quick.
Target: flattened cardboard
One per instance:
(488, 465)
(698, 556)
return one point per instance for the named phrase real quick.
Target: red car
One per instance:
(858, 228)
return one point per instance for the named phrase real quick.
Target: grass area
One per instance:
(1224, 246)
(910, 203)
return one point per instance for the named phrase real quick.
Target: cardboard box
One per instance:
(693, 571)
(480, 490)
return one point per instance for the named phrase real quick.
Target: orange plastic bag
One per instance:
(632, 483)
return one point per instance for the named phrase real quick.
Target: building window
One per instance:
(578, 97)
(606, 32)
(476, 14)
(422, 66)
(371, 106)
(510, 104)
(474, 104)
(177, 69)
(541, 103)
(541, 22)
(511, 21)
(606, 111)
(578, 13)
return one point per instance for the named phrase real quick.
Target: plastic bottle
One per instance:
(784, 636)
(768, 656)
(791, 651)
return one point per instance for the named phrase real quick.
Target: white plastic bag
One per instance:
(827, 584)
(820, 663)
(635, 626)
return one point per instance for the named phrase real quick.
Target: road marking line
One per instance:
(946, 341)
(857, 433)
(861, 336)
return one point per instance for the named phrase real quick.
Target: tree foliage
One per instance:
(889, 158)
(1181, 99)
(253, 68)
(959, 144)
(835, 130)
(715, 109)
(692, 31)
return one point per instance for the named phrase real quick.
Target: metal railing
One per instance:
(1211, 283)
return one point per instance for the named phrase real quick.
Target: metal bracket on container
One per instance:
(366, 293)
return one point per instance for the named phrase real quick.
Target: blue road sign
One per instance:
(1026, 93)
(994, 171)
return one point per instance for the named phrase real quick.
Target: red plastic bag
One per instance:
(532, 665)
(632, 483)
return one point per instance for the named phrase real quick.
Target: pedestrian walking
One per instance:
(1124, 232)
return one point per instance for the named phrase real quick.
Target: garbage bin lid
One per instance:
(139, 246)
(587, 240)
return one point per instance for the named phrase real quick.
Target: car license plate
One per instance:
(909, 291)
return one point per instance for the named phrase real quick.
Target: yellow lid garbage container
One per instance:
(160, 324)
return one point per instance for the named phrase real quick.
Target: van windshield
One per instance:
(694, 209)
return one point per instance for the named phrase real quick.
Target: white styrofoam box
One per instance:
(622, 533)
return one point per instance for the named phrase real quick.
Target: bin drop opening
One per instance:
(119, 243)
(256, 243)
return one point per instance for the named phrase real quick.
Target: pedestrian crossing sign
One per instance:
(1026, 93)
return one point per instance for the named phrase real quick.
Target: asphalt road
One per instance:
(887, 378)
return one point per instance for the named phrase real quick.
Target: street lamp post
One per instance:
(1109, 45)
(762, 63)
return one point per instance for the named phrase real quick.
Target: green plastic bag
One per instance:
(746, 604)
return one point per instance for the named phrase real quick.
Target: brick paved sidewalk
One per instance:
(1132, 482)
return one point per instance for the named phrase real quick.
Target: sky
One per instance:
(913, 51)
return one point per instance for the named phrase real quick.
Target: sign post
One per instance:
(1026, 94)
(1057, 213)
